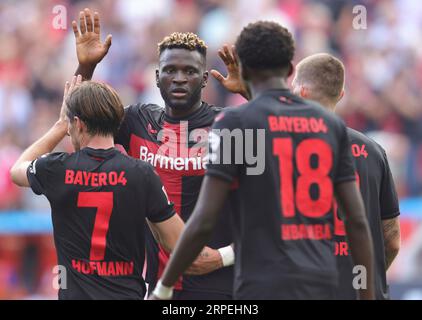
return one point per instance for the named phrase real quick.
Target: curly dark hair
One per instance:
(265, 45)
(183, 40)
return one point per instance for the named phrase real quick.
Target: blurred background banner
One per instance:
(382, 55)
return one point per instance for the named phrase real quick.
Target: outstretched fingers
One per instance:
(88, 20)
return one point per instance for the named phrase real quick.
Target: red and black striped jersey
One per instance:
(177, 149)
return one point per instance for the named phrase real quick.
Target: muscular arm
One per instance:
(167, 232)
(198, 229)
(391, 230)
(358, 232)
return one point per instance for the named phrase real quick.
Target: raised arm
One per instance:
(358, 232)
(45, 144)
(89, 48)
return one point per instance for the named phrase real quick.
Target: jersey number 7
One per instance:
(103, 201)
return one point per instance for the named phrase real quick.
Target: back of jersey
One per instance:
(376, 184)
(99, 201)
(284, 203)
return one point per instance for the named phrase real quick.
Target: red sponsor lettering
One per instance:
(95, 179)
(297, 124)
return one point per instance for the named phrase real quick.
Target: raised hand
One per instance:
(89, 48)
(233, 82)
(68, 88)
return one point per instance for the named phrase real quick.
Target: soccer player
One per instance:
(99, 197)
(321, 78)
(284, 216)
(173, 140)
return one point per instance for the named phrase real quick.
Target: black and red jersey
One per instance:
(177, 149)
(380, 198)
(294, 153)
(99, 201)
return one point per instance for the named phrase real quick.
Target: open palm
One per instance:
(89, 48)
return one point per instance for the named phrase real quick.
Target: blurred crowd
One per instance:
(383, 66)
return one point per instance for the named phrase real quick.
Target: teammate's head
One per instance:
(182, 74)
(265, 50)
(320, 77)
(93, 109)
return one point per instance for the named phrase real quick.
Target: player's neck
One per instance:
(98, 142)
(258, 86)
(180, 114)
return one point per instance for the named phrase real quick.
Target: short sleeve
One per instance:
(159, 208)
(123, 135)
(345, 166)
(43, 172)
(388, 195)
(223, 160)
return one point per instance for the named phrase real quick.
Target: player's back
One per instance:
(99, 200)
(380, 199)
(284, 214)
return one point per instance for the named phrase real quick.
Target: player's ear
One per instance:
(205, 79)
(304, 92)
(157, 77)
(291, 69)
(341, 95)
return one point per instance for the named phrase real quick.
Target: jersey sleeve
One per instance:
(346, 166)
(159, 207)
(123, 135)
(388, 195)
(43, 173)
(223, 162)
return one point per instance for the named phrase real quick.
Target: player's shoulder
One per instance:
(231, 114)
(55, 157)
(360, 138)
(147, 109)
(212, 108)
(50, 162)
(133, 163)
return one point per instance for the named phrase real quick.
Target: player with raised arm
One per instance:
(284, 216)
(321, 78)
(173, 140)
(99, 197)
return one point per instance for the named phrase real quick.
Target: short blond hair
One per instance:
(324, 73)
(183, 40)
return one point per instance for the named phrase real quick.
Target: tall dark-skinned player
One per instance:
(173, 139)
(321, 78)
(284, 214)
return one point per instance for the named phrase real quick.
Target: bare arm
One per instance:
(45, 144)
(198, 229)
(167, 232)
(391, 230)
(89, 48)
(358, 232)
